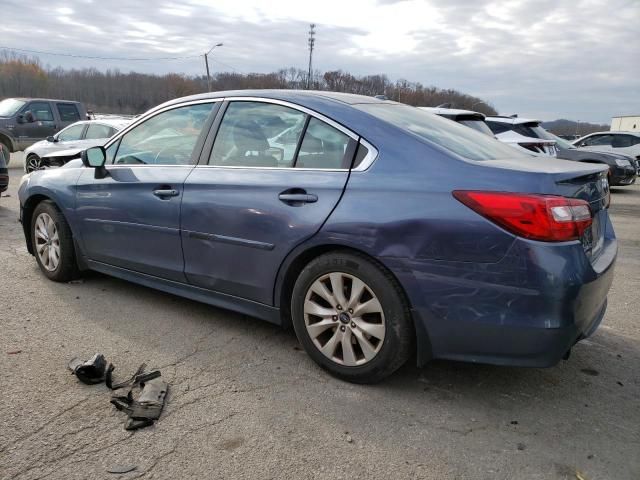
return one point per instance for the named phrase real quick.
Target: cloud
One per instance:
(540, 58)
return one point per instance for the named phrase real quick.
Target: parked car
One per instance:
(520, 132)
(80, 135)
(24, 121)
(623, 169)
(627, 143)
(475, 120)
(387, 227)
(4, 173)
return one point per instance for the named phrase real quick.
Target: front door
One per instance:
(42, 126)
(272, 178)
(131, 218)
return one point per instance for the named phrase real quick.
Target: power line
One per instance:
(93, 57)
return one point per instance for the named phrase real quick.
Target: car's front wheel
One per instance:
(53, 243)
(33, 163)
(351, 317)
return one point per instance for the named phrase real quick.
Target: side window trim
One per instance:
(364, 164)
(197, 150)
(301, 139)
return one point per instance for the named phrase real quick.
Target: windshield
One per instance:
(10, 106)
(461, 140)
(478, 125)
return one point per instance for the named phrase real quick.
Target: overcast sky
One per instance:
(549, 59)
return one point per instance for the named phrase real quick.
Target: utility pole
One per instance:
(311, 42)
(206, 64)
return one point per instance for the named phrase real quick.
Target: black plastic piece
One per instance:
(90, 372)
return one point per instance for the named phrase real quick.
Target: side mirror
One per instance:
(95, 157)
(51, 139)
(20, 118)
(28, 116)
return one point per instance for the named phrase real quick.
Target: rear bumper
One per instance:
(527, 310)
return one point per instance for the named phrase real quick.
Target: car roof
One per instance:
(294, 96)
(512, 120)
(30, 99)
(613, 132)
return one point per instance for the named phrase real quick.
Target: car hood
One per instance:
(71, 152)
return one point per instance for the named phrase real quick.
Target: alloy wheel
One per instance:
(47, 242)
(344, 319)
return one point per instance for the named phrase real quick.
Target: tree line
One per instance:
(113, 91)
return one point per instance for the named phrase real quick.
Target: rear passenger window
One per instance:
(360, 155)
(68, 112)
(322, 147)
(256, 134)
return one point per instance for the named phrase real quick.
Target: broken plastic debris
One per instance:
(90, 371)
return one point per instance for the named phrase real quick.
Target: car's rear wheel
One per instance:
(33, 163)
(351, 317)
(53, 243)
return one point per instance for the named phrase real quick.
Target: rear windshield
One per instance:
(478, 125)
(449, 135)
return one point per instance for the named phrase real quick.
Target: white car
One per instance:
(521, 133)
(80, 135)
(627, 143)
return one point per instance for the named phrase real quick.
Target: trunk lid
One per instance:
(586, 181)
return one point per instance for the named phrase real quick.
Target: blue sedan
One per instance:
(373, 228)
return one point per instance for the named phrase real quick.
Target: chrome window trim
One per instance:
(295, 106)
(364, 165)
(368, 160)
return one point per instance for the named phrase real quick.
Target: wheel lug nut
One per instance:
(335, 317)
(339, 307)
(351, 310)
(353, 325)
(342, 329)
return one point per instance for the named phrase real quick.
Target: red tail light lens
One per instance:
(539, 217)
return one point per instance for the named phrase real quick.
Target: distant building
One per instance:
(626, 123)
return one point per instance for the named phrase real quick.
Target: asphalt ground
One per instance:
(246, 402)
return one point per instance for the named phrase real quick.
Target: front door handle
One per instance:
(166, 192)
(297, 198)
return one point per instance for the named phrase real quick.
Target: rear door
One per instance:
(269, 181)
(131, 217)
(68, 113)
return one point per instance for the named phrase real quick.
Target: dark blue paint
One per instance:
(477, 292)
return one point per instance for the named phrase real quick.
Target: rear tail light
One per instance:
(547, 218)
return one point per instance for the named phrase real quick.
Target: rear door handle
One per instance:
(297, 198)
(168, 192)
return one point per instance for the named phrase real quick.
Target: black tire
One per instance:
(67, 268)
(31, 161)
(397, 345)
(6, 152)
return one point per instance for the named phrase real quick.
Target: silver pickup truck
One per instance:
(24, 121)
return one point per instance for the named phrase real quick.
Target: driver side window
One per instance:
(168, 138)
